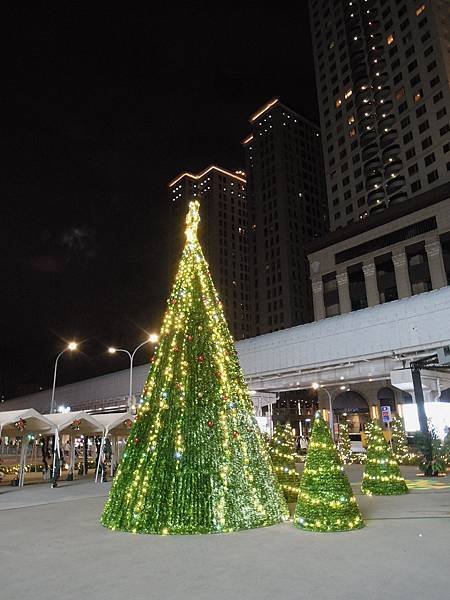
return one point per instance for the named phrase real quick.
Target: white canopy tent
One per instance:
(15, 423)
(116, 425)
(73, 424)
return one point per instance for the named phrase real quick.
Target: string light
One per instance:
(382, 475)
(283, 455)
(325, 502)
(195, 461)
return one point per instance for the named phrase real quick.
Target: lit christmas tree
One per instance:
(282, 452)
(382, 475)
(195, 461)
(344, 444)
(325, 501)
(399, 445)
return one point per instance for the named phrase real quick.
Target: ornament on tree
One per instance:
(200, 358)
(194, 482)
(382, 475)
(325, 501)
(210, 423)
(282, 453)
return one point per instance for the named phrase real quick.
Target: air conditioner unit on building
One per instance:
(444, 355)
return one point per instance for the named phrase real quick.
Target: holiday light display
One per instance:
(344, 444)
(325, 500)
(282, 453)
(382, 475)
(399, 445)
(195, 461)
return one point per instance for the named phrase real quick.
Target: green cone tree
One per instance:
(382, 475)
(399, 444)
(282, 453)
(326, 501)
(344, 444)
(195, 461)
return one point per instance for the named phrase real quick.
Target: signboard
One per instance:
(386, 414)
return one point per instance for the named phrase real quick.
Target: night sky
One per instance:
(103, 109)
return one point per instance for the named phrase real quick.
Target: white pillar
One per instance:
(344, 292)
(400, 262)
(436, 264)
(370, 276)
(318, 300)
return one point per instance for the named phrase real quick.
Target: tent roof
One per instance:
(34, 422)
(114, 421)
(63, 421)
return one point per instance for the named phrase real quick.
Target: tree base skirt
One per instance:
(200, 531)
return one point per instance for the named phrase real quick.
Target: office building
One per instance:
(394, 254)
(287, 207)
(223, 234)
(383, 73)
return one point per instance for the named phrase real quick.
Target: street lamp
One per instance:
(152, 339)
(70, 347)
(316, 386)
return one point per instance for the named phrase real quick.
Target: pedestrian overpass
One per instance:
(367, 347)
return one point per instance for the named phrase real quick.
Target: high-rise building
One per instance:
(223, 234)
(287, 207)
(383, 82)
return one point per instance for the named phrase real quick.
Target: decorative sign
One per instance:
(386, 414)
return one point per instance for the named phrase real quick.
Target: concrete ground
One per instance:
(52, 546)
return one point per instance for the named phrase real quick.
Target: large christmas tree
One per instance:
(382, 475)
(195, 461)
(282, 452)
(325, 500)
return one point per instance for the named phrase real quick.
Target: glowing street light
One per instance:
(72, 346)
(153, 338)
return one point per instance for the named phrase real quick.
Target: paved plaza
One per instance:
(52, 546)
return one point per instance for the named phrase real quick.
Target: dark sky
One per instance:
(103, 108)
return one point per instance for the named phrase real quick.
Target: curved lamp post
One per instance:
(316, 386)
(152, 339)
(70, 347)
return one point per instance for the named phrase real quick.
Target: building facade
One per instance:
(383, 73)
(287, 207)
(393, 255)
(224, 236)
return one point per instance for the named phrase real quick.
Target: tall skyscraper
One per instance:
(383, 81)
(287, 207)
(223, 234)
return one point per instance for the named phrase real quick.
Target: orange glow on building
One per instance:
(262, 110)
(203, 173)
(247, 139)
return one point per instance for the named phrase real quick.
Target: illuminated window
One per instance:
(347, 94)
(420, 9)
(338, 103)
(390, 39)
(352, 132)
(400, 93)
(351, 119)
(418, 96)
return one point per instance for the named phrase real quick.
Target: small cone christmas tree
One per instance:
(382, 475)
(399, 445)
(325, 501)
(282, 452)
(344, 444)
(195, 461)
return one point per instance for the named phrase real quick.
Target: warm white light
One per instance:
(343, 387)
(112, 350)
(153, 338)
(72, 346)
(315, 386)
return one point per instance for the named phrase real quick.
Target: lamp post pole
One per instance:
(153, 339)
(72, 346)
(317, 387)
